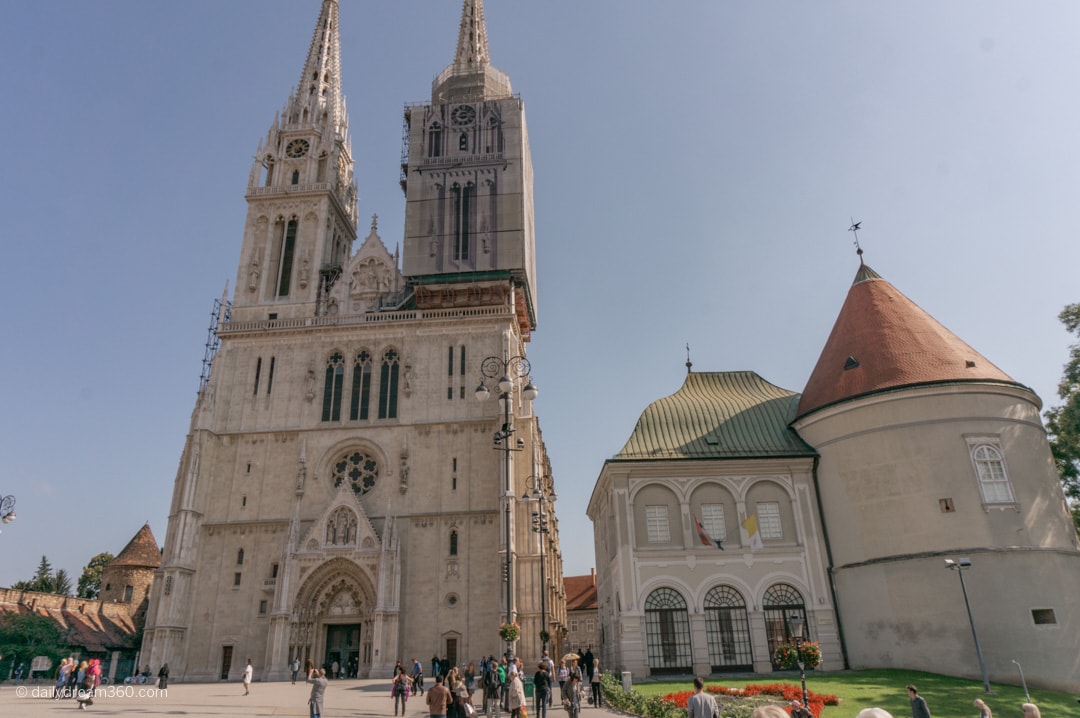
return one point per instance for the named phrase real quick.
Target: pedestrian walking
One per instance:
(516, 691)
(438, 698)
(249, 672)
(90, 681)
(400, 689)
(163, 676)
(571, 696)
(919, 709)
(295, 668)
(701, 704)
(594, 683)
(491, 705)
(541, 689)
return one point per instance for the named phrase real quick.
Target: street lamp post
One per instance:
(7, 509)
(959, 565)
(1023, 682)
(508, 370)
(798, 632)
(541, 490)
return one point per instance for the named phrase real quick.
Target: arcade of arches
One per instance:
(728, 627)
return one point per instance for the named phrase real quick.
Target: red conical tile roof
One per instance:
(882, 340)
(142, 550)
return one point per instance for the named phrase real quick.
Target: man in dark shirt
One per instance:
(542, 689)
(919, 708)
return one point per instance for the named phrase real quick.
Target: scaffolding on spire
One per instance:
(221, 313)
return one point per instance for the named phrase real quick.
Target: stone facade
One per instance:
(338, 498)
(918, 451)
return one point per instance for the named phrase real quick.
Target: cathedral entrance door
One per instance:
(342, 645)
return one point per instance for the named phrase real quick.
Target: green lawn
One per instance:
(946, 696)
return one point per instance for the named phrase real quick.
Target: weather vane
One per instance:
(854, 229)
(689, 363)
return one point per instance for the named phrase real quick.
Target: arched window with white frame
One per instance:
(989, 463)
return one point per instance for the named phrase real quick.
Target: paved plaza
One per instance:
(343, 698)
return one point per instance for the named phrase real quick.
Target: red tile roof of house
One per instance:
(881, 341)
(580, 592)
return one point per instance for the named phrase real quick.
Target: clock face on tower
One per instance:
(296, 148)
(463, 115)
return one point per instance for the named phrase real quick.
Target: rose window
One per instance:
(359, 469)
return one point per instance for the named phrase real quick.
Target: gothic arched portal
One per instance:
(333, 617)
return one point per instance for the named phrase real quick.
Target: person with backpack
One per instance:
(491, 690)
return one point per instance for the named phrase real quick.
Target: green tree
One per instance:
(22, 637)
(62, 582)
(90, 580)
(43, 580)
(1063, 422)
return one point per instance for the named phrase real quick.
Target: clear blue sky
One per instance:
(697, 165)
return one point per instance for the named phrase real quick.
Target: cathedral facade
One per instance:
(740, 514)
(338, 498)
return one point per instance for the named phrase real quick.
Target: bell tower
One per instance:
(302, 215)
(467, 177)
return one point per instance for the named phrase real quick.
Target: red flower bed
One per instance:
(786, 691)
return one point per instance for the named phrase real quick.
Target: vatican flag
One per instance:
(752, 531)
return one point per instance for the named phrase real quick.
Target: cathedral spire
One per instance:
(472, 44)
(320, 80)
(471, 76)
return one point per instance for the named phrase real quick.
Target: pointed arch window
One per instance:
(240, 557)
(667, 632)
(388, 385)
(727, 629)
(288, 248)
(463, 142)
(335, 378)
(361, 387)
(434, 143)
(453, 542)
(464, 199)
(295, 177)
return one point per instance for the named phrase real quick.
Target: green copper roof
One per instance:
(718, 415)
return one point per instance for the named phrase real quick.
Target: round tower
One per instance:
(930, 453)
(128, 577)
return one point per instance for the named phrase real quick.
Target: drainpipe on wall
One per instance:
(828, 553)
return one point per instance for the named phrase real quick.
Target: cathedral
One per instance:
(903, 511)
(338, 499)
